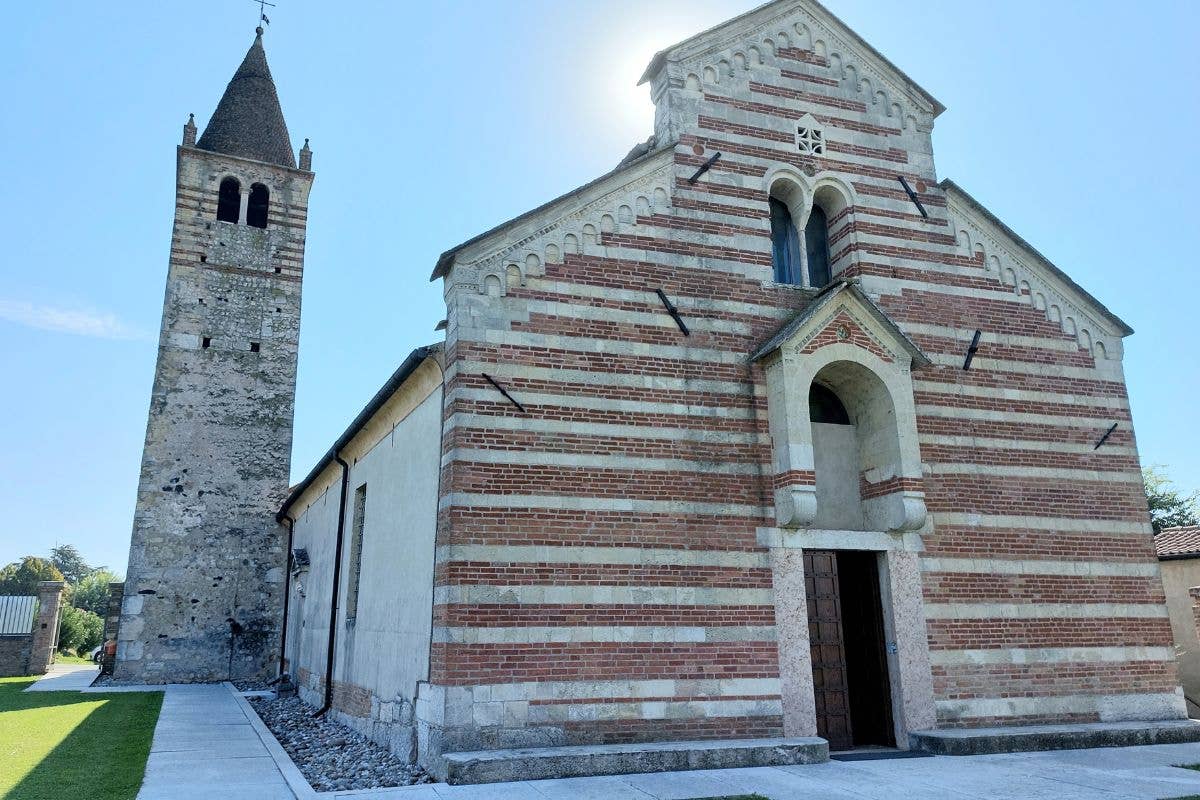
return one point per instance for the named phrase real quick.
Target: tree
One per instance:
(91, 593)
(79, 630)
(22, 577)
(1169, 508)
(70, 563)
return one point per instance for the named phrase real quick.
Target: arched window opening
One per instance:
(855, 443)
(824, 406)
(256, 210)
(229, 201)
(816, 245)
(785, 245)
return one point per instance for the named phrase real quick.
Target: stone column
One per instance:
(112, 624)
(791, 631)
(45, 627)
(911, 674)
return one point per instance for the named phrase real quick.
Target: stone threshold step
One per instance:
(537, 763)
(1028, 738)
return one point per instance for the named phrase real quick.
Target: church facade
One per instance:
(765, 433)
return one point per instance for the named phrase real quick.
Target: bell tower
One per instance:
(204, 588)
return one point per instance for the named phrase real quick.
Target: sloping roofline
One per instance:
(662, 55)
(407, 368)
(446, 259)
(950, 186)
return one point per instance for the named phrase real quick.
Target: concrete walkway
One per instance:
(205, 747)
(210, 744)
(65, 678)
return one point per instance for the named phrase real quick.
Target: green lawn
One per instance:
(67, 658)
(56, 745)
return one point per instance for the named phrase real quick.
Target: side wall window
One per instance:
(785, 244)
(229, 201)
(816, 245)
(357, 525)
(256, 210)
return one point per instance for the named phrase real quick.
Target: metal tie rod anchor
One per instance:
(974, 348)
(504, 392)
(913, 196)
(1107, 434)
(705, 167)
(674, 312)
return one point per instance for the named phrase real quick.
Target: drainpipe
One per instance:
(337, 577)
(287, 592)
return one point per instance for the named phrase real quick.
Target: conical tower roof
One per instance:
(248, 122)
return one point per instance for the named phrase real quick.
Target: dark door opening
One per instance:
(849, 659)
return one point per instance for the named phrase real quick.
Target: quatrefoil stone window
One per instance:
(810, 140)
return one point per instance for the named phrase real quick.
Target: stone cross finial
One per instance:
(189, 131)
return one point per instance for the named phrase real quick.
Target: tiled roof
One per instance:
(1178, 542)
(248, 122)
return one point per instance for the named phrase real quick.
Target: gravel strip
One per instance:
(329, 755)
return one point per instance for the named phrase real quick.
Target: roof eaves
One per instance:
(406, 369)
(446, 259)
(948, 185)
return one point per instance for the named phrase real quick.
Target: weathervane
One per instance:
(262, 10)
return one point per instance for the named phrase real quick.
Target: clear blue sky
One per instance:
(1075, 122)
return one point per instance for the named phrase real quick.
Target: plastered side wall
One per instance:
(1178, 576)
(382, 656)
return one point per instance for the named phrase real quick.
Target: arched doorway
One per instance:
(853, 434)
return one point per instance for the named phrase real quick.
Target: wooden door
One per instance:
(828, 652)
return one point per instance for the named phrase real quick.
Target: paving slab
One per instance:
(65, 678)
(205, 747)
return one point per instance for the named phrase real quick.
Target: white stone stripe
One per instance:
(1110, 708)
(522, 554)
(1022, 444)
(1022, 395)
(616, 504)
(602, 461)
(1051, 473)
(987, 415)
(604, 403)
(607, 595)
(538, 425)
(1061, 524)
(991, 337)
(653, 710)
(991, 566)
(583, 344)
(623, 633)
(1050, 655)
(1022, 367)
(630, 380)
(642, 318)
(1044, 610)
(586, 690)
(681, 301)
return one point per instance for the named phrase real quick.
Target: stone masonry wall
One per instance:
(112, 625)
(45, 626)
(600, 576)
(14, 655)
(203, 596)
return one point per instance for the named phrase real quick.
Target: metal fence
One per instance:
(16, 615)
